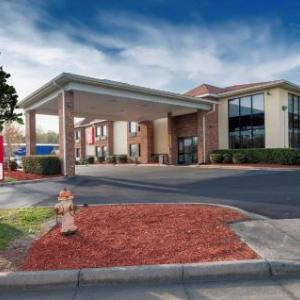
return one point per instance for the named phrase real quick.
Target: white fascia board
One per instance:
(254, 88)
(135, 95)
(43, 101)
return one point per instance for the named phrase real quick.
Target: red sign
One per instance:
(89, 135)
(1, 158)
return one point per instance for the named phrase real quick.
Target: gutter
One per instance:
(204, 118)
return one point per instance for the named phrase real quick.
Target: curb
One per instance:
(54, 178)
(23, 278)
(154, 273)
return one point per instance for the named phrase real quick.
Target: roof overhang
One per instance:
(109, 96)
(278, 83)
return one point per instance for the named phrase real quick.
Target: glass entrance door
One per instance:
(188, 150)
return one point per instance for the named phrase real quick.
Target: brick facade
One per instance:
(80, 144)
(66, 133)
(30, 132)
(144, 138)
(107, 141)
(99, 141)
(192, 125)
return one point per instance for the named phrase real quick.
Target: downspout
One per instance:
(204, 130)
(64, 126)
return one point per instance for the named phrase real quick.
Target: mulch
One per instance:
(126, 235)
(19, 175)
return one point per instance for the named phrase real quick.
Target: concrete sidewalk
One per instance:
(279, 289)
(272, 239)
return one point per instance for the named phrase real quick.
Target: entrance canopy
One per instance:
(111, 100)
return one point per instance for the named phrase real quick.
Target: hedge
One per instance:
(264, 156)
(42, 164)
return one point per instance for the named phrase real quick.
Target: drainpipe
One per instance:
(64, 126)
(204, 130)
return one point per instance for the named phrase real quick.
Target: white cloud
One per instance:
(141, 51)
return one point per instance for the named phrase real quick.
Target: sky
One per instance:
(164, 44)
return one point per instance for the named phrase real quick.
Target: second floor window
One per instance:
(77, 135)
(247, 122)
(133, 127)
(101, 130)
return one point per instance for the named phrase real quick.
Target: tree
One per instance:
(13, 137)
(49, 137)
(8, 102)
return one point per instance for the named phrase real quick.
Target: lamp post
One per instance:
(284, 108)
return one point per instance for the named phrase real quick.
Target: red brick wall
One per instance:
(186, 125)
(192, 125)
(30, 132)
(67, 132)
(144, 138)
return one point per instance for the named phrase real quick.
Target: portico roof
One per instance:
(111, 100)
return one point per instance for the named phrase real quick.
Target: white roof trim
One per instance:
(68, 80)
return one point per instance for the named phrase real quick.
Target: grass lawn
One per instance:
(21, 221)
(8, 179)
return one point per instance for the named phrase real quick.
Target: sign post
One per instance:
(1, 158)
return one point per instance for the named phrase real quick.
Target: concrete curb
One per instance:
(283, 267)
(153, 273)
(54, 178)
(17, 279)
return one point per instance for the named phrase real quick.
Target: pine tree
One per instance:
(8, 101)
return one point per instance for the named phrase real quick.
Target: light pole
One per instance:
(284, 108)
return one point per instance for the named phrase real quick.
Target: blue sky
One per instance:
(172, 45)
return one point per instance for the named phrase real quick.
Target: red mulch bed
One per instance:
(19, 175)
(126, 235)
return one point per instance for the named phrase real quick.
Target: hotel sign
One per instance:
(1, 158)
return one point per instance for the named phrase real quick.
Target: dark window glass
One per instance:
(294, 121)
(258, 104)
(245, 106)
(188, 150)
(234, 108)
(134, 150)
(247, 122)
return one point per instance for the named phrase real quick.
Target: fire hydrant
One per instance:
(66, 209)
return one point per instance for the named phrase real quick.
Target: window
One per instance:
(77, 135)
(101, 151)
(133, 127)
(134, 150)
(247, 122)
(77, 152)
(101, 131)
(294, 121)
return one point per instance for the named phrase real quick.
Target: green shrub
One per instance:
(90, 159)
(101, 159)
(83, 161)
(121, 159)
(239, 158)
(10, 165)
(216, 157)
(42, 164)
(227, 158)
(265, 156)
(110, 159)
